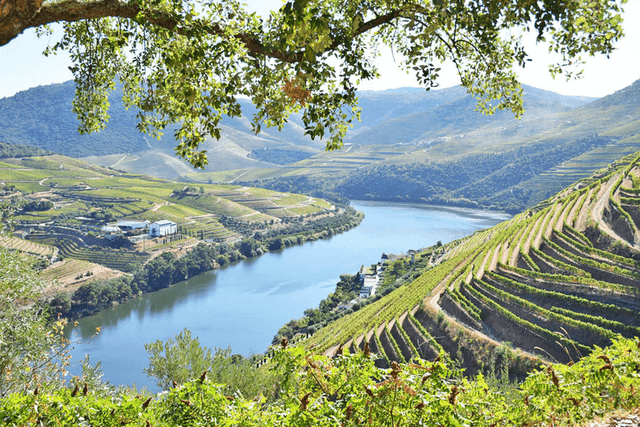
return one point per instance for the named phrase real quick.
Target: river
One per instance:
(243, 305)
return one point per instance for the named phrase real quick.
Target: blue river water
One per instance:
(243, 305)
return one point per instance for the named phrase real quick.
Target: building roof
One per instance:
(366, 270)
(164, 222)
(132, 223)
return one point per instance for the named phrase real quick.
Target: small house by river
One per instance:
(370, 277)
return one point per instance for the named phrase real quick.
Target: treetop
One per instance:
(187, 62)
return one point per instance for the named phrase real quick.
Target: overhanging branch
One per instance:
(19, 15)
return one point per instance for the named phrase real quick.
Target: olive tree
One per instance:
(182, 359)
(187, 62)
(32, 349)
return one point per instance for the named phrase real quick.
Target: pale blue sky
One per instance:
(23, 66)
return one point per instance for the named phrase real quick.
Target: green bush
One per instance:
(349, 390)
(182, 359)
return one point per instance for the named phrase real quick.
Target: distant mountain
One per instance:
(414, 116)
(410, 145)
(450, 154)
(42, 117)
(629, 96)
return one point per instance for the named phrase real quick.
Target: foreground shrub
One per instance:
(349, 390)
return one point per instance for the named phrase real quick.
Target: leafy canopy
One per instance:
(350, 391)
(187, 62)
(32, 349)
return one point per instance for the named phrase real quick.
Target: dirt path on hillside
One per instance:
(432, 302)
(581, 217)
(69, 283)
(598, 211)
(237, 177)
(158, 206)
(598, 207)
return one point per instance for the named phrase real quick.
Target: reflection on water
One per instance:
(243, 305)
(147, 305)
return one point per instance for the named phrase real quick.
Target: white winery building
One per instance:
(162, 228)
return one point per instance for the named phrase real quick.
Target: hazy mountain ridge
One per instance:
(432, 145)
(468, 159)
(42, 117)
(445, 112)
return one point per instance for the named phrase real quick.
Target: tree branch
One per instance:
(19, 15)
(368, 26)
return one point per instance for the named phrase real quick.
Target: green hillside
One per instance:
(42, 117)
(453, 155)
(385, 148)
(431, 145)
(550, 284)
(64, 203)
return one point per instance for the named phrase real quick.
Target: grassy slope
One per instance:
(553, 282)
(80, 190)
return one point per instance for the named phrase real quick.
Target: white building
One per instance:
(132, 225)
(162, 228)
(111, 232)
(369, 286)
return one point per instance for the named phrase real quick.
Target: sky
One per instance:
(23, 66)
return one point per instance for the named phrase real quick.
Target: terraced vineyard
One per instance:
(67, 202)
(68, 267)
(550, 284)
(117, 260)
(209, 229)
(73, 271)
(28, 246)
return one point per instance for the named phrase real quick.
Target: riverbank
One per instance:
(168, 268)
(243, 305)
(393, 272)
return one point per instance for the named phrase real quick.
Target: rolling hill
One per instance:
(42, 117)
(452, 155)
(411, 145)
(550, 284)
(65, 203)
